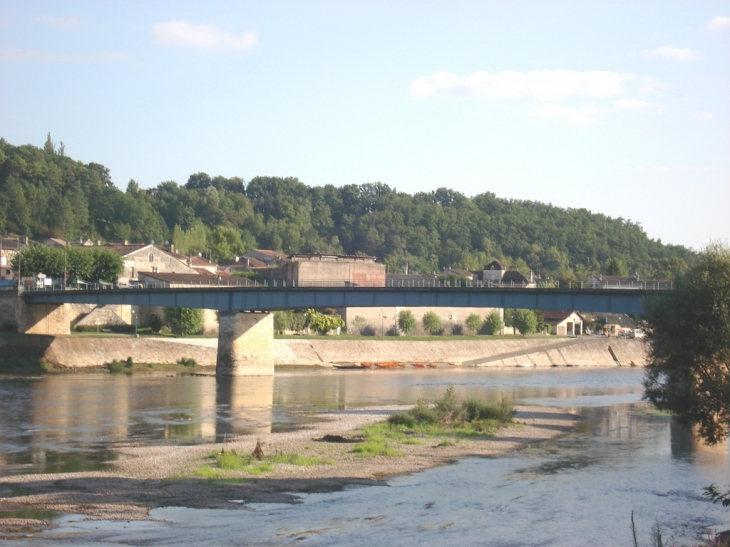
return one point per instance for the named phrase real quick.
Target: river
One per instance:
(580, 489)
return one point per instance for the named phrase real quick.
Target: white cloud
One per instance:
(15, 55)
(718, 23)
(702, 115)
(182, 33)
(58, 21)
(544, 85)
(585, 115)
(635, 104)
(676, 169)
(669, 52)
(650, 85)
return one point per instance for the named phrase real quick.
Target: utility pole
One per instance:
(20, 256)
(65, 260)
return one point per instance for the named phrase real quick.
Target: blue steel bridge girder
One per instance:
(270, 299)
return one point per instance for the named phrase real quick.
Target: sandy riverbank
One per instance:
(144, 478)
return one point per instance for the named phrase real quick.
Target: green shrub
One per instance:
(451, 411)
(431, 323)
(493, 323)
(282, 320)
(402, 419)
(187, 362)
(474, 323)
(184, 321)
(449, 408)
(475, 410)
(115, 367)
(423, 414)
(406, 321)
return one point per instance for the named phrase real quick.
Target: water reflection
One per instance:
(71, 423)
(74, 420)
(687, 444)
(243, 406)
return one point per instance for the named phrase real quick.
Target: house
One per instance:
(600, 281)
(55, 242)
(268, 257)
(9, 247)
(468, 274)
(565, 323)
(241, 264)
(497, 273)
(148, 257)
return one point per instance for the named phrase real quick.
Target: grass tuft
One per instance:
(375, 446)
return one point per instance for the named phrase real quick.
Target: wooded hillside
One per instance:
(44, 193)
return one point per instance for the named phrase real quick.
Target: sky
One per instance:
(618, 107)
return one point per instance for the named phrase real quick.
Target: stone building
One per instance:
(564, 322)
(318, 270)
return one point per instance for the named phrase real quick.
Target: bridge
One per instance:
(245, 339)
(262, 298)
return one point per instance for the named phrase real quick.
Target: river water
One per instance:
(577, 490)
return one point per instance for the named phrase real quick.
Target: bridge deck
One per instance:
(281, 298)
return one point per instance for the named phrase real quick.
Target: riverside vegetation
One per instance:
(444, 422)
(448, 419)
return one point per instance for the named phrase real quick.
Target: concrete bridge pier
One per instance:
(245, 344)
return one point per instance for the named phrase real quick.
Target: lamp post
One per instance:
(65, 261)
(20, 257)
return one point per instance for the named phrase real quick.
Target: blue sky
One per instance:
(621, 108)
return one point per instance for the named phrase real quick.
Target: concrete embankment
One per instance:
(82, 352)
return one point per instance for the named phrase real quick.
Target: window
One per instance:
(152, 257)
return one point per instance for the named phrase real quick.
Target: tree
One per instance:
(79, 264)
(108, 265)
(282, 320)
(509, 319)
(323, 323)
(474, 323)
(494, 322)
(406, 321)
(614, 266)
(39, 259)
(688, 330)
(49, 147)
(431, 323)
(226, 243)
(184, 321)
(524, 321)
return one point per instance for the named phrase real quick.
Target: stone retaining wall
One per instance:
(79, 351)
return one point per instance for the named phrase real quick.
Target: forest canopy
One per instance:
(47, 194)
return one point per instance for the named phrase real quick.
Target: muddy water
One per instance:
(578, 490)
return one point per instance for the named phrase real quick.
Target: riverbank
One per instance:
(73, 351)
(143, 478)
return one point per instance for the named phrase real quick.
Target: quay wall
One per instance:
(82, 352)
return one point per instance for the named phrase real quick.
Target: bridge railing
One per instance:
(209, 282)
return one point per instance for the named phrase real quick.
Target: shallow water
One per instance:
(577, 490)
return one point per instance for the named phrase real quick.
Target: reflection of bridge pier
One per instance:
(243, 406)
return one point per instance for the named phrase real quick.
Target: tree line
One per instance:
(48, 194)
